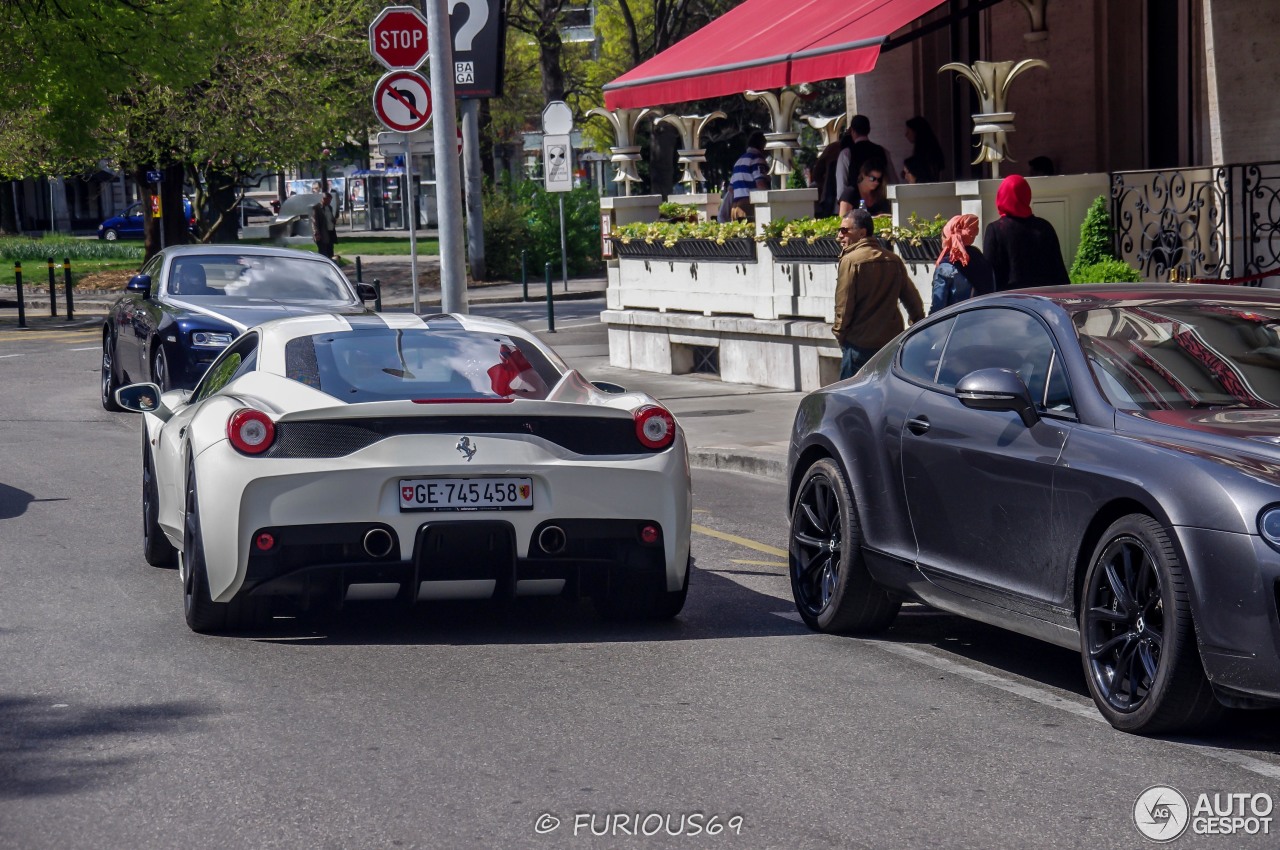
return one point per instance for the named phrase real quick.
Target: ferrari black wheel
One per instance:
(202, 613)
(1137, 636)
(156, 548)
(833, 590)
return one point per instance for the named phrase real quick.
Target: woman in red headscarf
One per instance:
(962, 271)
(1023, 250)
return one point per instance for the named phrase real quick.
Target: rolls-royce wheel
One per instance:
(107, 383)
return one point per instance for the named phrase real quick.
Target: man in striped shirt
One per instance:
(751, 171)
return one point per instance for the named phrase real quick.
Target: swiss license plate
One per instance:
(466, 494)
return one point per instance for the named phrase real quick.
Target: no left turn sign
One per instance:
(402, 101)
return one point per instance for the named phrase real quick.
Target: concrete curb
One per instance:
(736, 461)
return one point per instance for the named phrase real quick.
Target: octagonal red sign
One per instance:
(398, 37)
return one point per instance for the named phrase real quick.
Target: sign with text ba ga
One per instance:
(479, 30)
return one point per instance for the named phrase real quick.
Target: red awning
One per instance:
(767, 44)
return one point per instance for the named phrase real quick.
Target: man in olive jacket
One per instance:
(870, 284)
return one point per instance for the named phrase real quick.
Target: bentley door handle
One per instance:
(919, 425)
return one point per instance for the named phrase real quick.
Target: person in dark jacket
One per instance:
(1023, 250)
(962, 271)
(870, 284)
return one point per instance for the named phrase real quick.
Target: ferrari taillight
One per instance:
(250, 431)
(654, 427)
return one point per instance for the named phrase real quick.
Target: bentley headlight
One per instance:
(1269, 525)
(209, 339)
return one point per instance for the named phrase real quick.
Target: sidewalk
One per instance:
(737, 427)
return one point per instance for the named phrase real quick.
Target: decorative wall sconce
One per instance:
(783, 140)
(992, 80)
(692, 154)
(626, 153)
(830, 126)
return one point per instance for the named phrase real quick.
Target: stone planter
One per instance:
(926, 252)
(824, 249)
(738, 250)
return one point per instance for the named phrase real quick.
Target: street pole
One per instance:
(472, 175)
(564, 252)
(413, 225)
(453, 272)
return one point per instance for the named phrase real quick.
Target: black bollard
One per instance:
(22, 303)
(377, 295)
(551, 305)
(359, 272)
(524, 275)
(53, 292)
(66, 282)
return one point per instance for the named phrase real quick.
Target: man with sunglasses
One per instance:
(870, 284)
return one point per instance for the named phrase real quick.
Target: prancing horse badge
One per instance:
(467, 449)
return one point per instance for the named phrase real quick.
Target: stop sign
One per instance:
(398, 37)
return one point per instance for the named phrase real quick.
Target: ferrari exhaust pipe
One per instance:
(377, 543)
(551, 539)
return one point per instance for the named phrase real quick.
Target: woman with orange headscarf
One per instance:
(962, 271)
(1023, 249)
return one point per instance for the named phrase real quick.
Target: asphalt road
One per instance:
(459, 727)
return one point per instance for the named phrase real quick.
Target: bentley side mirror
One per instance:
(997, 389)
(607, 387)
(142, 398)
(140, 283)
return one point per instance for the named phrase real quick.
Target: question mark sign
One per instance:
(477, 17)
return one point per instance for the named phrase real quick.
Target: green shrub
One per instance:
(672, 211)
(1095, 241)
(809, 229)
(527, 217)
(667, 232)
(1109, 270)
(59, 247)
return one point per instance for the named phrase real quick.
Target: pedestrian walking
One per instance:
(1023, 249)
(324, 228)
(870, 284)
(962, 271)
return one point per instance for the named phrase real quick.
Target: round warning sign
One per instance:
(402, 101)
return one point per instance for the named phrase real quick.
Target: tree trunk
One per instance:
(549, 51)
(8, 210)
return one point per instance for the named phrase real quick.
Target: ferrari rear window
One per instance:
(419, 364)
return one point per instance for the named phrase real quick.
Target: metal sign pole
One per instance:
(453, 276)
(413, 229)
(564, 252)
(473, 176)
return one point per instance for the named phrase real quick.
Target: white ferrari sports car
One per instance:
(329, 458)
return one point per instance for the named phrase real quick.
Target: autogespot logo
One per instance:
(1161, 813)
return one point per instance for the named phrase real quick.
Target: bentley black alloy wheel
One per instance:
(1137, 636)
(833, 590)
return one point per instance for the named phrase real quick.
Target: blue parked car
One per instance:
(129, 224)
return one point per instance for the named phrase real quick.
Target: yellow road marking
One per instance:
(67, 336)
(758, 563)
(741, 541)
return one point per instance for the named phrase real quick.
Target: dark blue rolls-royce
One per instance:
(189, 302)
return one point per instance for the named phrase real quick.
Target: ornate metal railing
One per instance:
(1216, 222)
